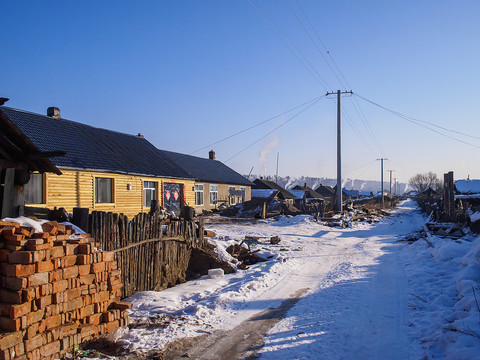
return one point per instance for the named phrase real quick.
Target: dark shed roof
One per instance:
(92, 148)
(208, 170)
(325, 190)
(18, 151)
(310, 193)
(267, 184)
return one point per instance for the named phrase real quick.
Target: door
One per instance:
(172, 197)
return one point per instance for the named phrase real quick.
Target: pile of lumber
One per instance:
(56, 291)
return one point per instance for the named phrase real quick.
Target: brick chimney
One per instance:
(53, 112)
(140, 135)
(211, 155)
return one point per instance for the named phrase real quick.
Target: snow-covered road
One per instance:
(360, 291)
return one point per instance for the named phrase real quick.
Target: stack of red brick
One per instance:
(55, 292)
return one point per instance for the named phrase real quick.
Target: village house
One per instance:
(102, 170)
(215, 183)
(281, 193)
(326, 191)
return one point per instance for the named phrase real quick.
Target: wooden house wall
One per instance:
(222, 196)
(76, 188)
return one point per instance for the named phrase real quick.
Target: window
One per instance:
(213, 194)
(243, 191)
(149, 192)
(34, 190)
(231, 192)
(199, 194)
(103, 190)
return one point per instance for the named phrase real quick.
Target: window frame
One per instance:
(232, 197)
(199, 191)
(112, 190)
(243, 189)
(214, 192)
(155, 192)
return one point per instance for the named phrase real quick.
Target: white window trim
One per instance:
(200, 191)
(212, 192)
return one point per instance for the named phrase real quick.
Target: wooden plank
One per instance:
(7, 203)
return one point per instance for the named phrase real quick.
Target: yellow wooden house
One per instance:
(103, 170)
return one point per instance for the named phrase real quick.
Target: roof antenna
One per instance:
(3, 100)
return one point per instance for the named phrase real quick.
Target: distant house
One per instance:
(102, 170)
(283, 194)
(467, 187)
(310, 194)
(326, 191)
(215, 182)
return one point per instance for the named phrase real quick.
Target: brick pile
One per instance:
(55, 291)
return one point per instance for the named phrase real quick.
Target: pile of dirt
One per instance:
(201, 260)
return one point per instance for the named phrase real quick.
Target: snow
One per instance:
(263, 193)
(366, 295)
(468, 186)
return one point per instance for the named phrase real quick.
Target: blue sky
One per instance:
(188, 73)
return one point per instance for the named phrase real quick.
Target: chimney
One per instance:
(211, 155)
(305, 185)
(53, 112)
(140, 135)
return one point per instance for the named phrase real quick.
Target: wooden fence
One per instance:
(152, 253)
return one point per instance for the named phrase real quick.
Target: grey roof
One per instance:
(203, 169)
(267, 184)
(311, 194)
(264, 193)
(325, 190)
(92, 148)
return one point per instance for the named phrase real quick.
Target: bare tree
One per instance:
(421, 182)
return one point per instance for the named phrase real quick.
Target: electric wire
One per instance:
(256, 125)
(318, 78)
(276, 128)
(421, 123)
(357, 107)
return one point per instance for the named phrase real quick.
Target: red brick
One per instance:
(84, 259)
(84, 249)
(9, 340)
(30, 293)
(108, 256)
(86, 311)
(110, 326)
(50, 227)
(55, 275)
(112, 265)
(98, 267)
(4, 255)
(70, 272)
(50, 349)
(72, 294)
(35, 241)
(8, 324)
(12, 237)
(16, 311)
(87, 279)
(43, 301)
(43, 266)
(84, 269)
(22, 231)
(121, 305)
(33, 343)
(39, 247)
(11, 297)
(20, 257)
(35, 316)
(32, 330)
(70, 249)
(69, 260)
(15, 283)
(53, 321)
(38, 279)
(73, 304)
(11, 223)
(57, 251)
(19, 270)
(59, 286)
(40, 235)
(101, 296)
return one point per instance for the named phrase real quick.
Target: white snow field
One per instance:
(365, 295)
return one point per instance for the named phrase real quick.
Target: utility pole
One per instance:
(339, 146)
(391, 181)
(383, 197)
(276, 177)
(395, 186)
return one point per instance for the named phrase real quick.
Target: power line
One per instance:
(319, 79)
(419, 123)
(276, 128)
(256, 125)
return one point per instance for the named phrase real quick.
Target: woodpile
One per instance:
(56, 291)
